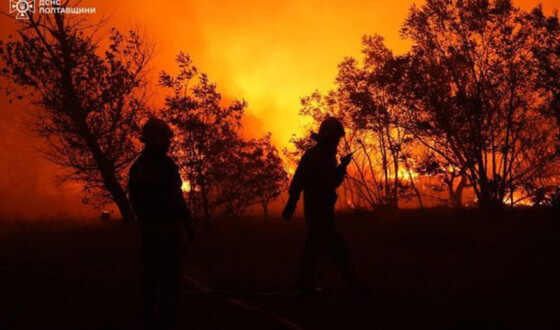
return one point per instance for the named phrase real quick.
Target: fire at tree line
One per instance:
(472, 109)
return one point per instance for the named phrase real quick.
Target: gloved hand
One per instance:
(345, 161)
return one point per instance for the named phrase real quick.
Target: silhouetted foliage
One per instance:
(468, 105)
(448, 177)
(265, 177)
(371, 111)
(253, 174)
(471, 94)
(226, 172)
(546, 54)
(87, 100)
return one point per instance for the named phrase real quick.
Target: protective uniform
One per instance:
(318, 176)
(157, 199)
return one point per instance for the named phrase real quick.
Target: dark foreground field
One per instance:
(432, 270)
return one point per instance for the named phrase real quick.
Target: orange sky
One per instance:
(270, 53)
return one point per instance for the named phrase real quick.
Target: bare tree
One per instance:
(89, 99)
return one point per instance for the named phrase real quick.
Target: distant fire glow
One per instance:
(186, 186)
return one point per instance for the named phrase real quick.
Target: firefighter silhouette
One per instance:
(318, 176)
(157, 200)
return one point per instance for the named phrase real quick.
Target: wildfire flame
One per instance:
(186, 187)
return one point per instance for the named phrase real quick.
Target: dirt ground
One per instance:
(436, 269)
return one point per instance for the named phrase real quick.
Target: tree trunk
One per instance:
(487, 196)
(205, 205)
(107, 171)
(79, 117)
(265, 209)
(456, 194)
(486, 199)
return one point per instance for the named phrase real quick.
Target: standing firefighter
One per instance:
(157, 200)
(318, 176)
